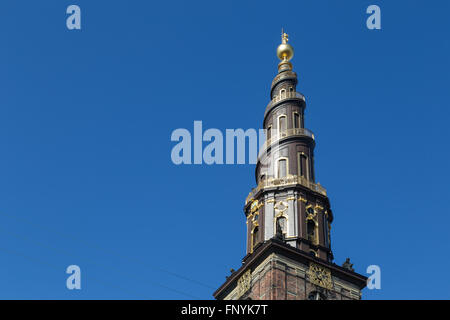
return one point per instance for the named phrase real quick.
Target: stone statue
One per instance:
(347, 265)
(280, 228)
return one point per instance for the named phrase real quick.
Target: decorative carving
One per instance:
(320, 276)
(318, 207)
(244, 283)
(281, 207)
(254, 206)
(303, 199)
(310, 212)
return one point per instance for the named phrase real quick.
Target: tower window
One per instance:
(282, 93)
(311, 231)
(303, 167)
(281, 124)
(291, 89)
(255, 237)
(269, 132)
(296, 120)
(282, 168)
(281, 226)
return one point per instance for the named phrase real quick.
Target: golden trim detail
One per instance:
(320, 276)
(244, 283)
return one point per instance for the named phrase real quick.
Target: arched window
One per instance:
(282, 170)
(311, 231)
(269, 133)
(281, 125)
(296, 119)
(303, 165)
(282, 93)
(281, 227)
(255, 237)
(291, 89)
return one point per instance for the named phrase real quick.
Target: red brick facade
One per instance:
(281, 282)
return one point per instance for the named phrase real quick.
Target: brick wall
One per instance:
(278, 278)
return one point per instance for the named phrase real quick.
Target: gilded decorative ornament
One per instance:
(310, 212)
(244, 283)
(254, 206)
(320, 276)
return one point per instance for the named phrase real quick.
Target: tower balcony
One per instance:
(282, 97)
(301, 132)
(290, 180)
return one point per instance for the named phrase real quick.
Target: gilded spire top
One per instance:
(285, 52)
(284, 37)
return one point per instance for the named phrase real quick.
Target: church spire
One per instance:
(288, 215)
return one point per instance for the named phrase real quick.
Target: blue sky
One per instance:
(86, 116)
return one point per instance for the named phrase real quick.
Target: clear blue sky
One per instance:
(86, 117)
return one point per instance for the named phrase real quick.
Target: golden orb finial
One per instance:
(285, 52)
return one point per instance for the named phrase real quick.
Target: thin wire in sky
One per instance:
(111, 252)
(89, 261)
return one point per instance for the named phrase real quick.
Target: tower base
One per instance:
(278, 271)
